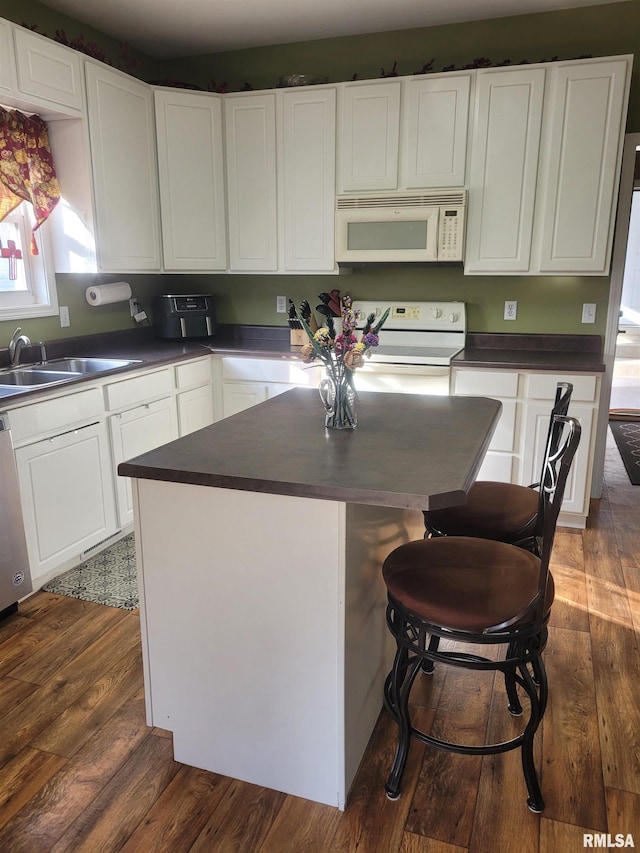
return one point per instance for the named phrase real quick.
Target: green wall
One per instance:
(545, 304)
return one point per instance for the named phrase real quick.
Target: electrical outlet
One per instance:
(510, 309)
(281, 304)
(64, 317)
(589, 312)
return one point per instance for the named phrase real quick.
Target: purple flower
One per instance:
(371, 339)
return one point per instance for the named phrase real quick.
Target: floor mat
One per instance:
(108, 578)
(627, 436)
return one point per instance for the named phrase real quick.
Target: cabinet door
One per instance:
(238, 396)
(504, 164)
(308, 156)
(580, 183)
(536, 425)
(138, 431)
(47, 70)
(7, 59)
(251, 182)
(123, 158)
(191, 173)
(369, 136)
(66, 488)
(195, 409)
(436, 119)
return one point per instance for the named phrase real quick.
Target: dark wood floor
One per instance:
(80, 770)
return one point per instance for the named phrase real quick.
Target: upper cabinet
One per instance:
(250, 125)
(436, 119)
(545, 164)
(369, 136)
(7, 59)
(580, 174)
(191, 176)
(404, 133)
(48, 71)
(280, 158)
(308, 142)
(124, 167)
(504, 169)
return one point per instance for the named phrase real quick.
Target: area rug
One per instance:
(627, 436)
(109, 578)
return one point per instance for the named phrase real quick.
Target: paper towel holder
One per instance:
(107, 294)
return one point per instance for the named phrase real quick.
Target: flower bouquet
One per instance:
(341, 354)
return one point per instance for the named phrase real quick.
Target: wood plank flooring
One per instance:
(80, 770)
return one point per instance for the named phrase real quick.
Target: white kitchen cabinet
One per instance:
(369, 135)
(516, 451)
(136, 431)
(48, 71)
(7, 59)
(436, 118)
(545, 164)
(66, 490)
(579, 181)
(191, 177)
(249, 381)
(124, 167)
(250, 132)
(504, 165)
(194, 396)
(308, 133)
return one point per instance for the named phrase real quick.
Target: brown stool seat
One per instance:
(502, 511)
(464, 584)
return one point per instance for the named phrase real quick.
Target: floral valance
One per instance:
(27, 172)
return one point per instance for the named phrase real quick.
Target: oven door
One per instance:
(403, 378)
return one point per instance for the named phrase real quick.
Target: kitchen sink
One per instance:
(28, 377)
(83, 365)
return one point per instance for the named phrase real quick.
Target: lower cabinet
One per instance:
(249, 381)
(134, 432)
(516, 451)
(66, 488)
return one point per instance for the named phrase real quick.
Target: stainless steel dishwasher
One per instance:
(15, 578)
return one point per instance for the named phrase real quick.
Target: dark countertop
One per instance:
(575, 353)
(399, 455)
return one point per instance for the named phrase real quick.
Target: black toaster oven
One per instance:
(184, 316)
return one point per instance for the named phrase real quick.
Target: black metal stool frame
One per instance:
(524, 635)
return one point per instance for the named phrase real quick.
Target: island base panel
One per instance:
(264, 638)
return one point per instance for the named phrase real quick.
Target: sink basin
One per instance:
(30, 376)
(84, 365)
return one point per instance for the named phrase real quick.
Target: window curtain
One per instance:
(27, 172)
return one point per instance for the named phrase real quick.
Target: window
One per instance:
(32, 292)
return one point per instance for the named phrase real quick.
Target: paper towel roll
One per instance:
(105, 294)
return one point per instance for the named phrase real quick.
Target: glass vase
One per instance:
(339, 399)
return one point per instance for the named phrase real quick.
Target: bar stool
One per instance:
(481, 592)
(502, 511)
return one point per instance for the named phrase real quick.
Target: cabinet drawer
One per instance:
(193, 373)
(488, 383)
(120, 395)
(543, 386)
(49, 416)
(268, 370)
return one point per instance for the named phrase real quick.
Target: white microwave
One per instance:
(401, 227)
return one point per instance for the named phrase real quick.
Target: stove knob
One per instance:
(436, 312)
(453, 318)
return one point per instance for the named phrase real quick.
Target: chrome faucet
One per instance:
(15, 346)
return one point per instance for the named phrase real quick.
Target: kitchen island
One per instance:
(259, 543)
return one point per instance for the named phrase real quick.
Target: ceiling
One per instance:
(168, 29)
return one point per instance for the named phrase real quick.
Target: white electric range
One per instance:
(417, 343)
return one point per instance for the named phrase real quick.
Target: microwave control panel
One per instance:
(450, 231)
